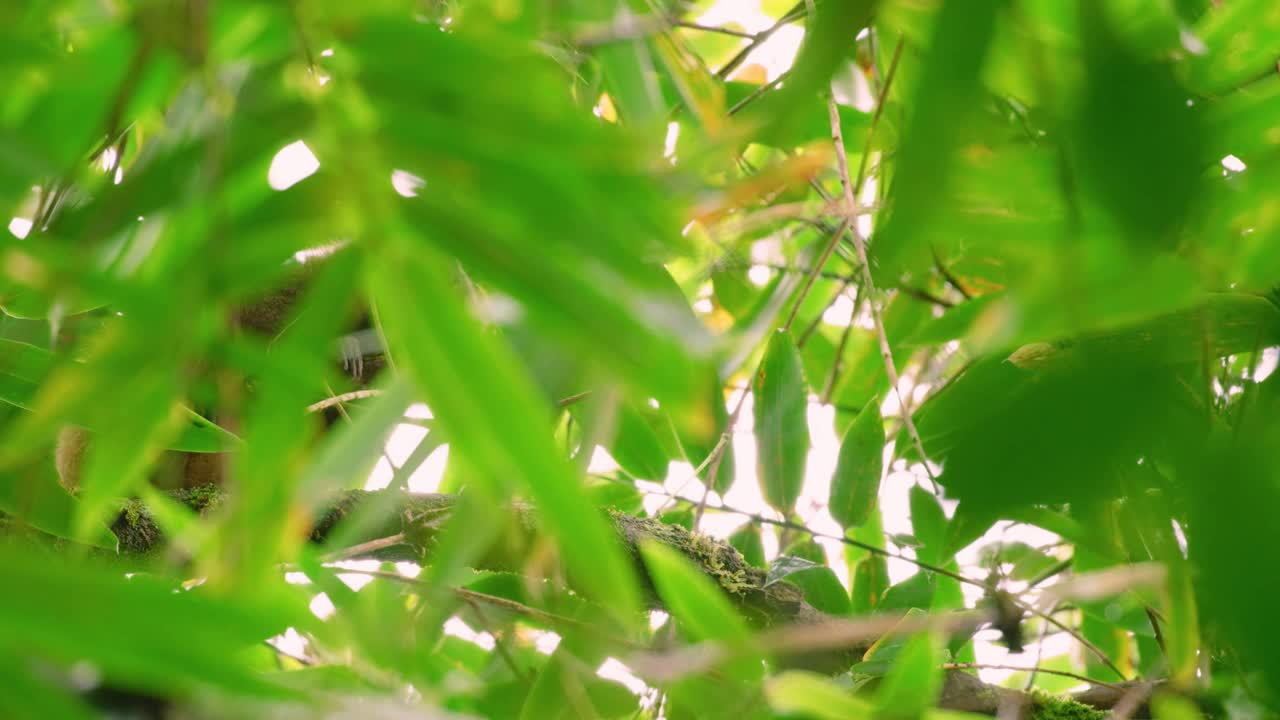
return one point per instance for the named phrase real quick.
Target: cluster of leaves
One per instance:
(1073, 255)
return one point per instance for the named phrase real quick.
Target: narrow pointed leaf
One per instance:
(700, 605)
(855, 486)
(494, 417)
(782, 430)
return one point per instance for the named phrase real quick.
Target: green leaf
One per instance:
(942, 112)
(1138, 140)
(568, 688)
(781, 425)
(915, 678)
(822, 589)
(1241, 38)
(855, 486)
(129, 636)
(493, 416)
(916, 592)
(697, 449)
(746, 540)
(929, 523)
(535, 199)
(870, 580)
(636, 446)
(815, 696)
(698, 604)
(1165, 706)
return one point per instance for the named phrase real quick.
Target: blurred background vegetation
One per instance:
(956, 321)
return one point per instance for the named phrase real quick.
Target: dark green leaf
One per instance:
(781, 425)
(855, 486)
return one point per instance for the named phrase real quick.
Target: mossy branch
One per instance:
(413, 523)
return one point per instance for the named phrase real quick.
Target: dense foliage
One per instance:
(1018, 256)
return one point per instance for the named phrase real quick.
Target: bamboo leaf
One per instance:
(855, 486)
(494, 418)
(781, 426)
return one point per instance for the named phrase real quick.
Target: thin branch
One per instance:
(718, 455)
(951, 279)
(798, 527)
(339, 400)
(499, 643)
(871, 130)
(925, 295)
(758, 93)
(1046, 671)
(829, 386)
(573, 399)
(712, 29)
(1044, 633)
(1097, 651)
(813, 272)
(850, 196)
(817, 318)
(512, 606)
(366, 548)
(796, 12)
(831, 634)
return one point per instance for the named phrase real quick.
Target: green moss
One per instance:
(720, 560)
(1052, 708)
(200, 498)
(134, 511)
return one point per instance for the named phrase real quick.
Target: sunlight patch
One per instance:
(406, 184)
(20, 227)
(294, 163)
(611, 669)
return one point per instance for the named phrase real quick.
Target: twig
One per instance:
(573, 399)
(712, 29)
(859, 244)
(813, 272)
(499, 643)
(758, 93)
(834, 634)
(365, 548)
(342, 398)
(786, 326)
(1131, 701)
(1026, 607)
(817, 319)
(864, 163)
(952, 280)
(1046, 671)
(505, 604)
(1155, 627)
(829, 385)
(796, 12)
(1044, 633)
(1073, 633)
(789, 525)
(925, 295)
(717, 457)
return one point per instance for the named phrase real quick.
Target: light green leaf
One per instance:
(493, 416)
(1242, 39)
(701, 607)
(915, 679)
(815, 696)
